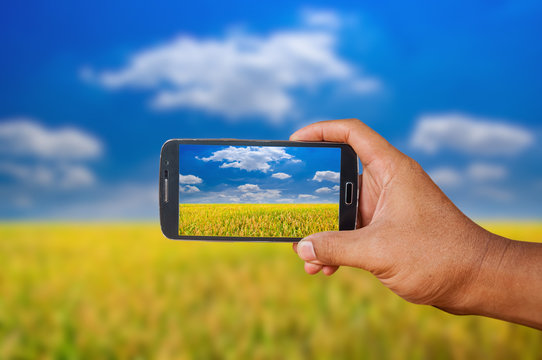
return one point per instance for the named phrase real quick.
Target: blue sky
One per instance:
(90, 91)
(251, 174)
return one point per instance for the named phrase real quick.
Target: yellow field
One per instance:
(274, 220)
(110, 291)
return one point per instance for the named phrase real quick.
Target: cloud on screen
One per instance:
(189, 179)
(249, 158)
(281, 176)
(332, 176)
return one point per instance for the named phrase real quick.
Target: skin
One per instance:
(418, 243)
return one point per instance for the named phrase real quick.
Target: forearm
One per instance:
(508, 283)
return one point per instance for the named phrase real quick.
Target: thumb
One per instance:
(350, 248)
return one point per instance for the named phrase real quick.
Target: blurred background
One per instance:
(90, 91)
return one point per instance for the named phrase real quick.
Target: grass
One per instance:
(122, 291)
(275, 220)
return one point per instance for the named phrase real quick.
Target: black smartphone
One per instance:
(256, 190)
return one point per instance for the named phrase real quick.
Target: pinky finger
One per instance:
(329, 270)
(312, 269)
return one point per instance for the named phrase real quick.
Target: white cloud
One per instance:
(249, 187)
(446, 177)
(327, 175)
(36, 159)
(486, 172)
(321, 18)
(76, 176)
(468, 134)
(64, 176)
(114, 202)
(189, 179)
(494, 193)
(26, 137)
(323, 190)
(306, 197)
(28, 174)
(281, 176)
(262, 196)
(250, 158)
(241, 74)
(327, 190)
(474, 173)
(253, 193)
(246, 193)
(365, 86)
(188, 189)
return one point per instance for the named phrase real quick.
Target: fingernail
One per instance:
(305, 250)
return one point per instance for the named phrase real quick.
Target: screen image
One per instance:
(258, 191)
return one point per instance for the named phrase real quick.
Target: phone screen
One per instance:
(258, 191)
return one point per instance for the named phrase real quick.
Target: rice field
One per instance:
(272, 220)
(123, 291)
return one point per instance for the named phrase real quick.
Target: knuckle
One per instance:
(411, 165)
(327, 250)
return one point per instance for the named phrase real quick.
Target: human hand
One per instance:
(412, 237)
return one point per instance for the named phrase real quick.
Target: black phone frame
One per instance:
(169, 164)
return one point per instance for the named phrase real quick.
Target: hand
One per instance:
(412, 237)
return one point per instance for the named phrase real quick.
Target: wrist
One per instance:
(506, 283)
(477, 296)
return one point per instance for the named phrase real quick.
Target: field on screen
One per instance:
(276, 220)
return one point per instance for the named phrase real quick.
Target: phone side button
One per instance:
(348, 193)
(166, 190)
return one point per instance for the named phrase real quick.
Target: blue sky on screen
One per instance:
(89, 91)
(255, 174)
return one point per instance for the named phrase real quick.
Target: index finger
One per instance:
(367, 143)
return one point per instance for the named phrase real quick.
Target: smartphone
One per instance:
(256, 190)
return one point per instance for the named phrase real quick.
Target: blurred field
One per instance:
(113, 291)
(275, 220)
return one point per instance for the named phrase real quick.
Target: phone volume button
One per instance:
(166, 190)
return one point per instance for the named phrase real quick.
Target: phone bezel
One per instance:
(169, 160)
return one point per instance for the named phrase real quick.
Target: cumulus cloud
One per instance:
(327, 190)
(469, 134)
(249, 187)
(246, 193)
(28, 174)
(474, 173)
(306, 197)
(486, 172)
(253, 193)
(281, 176)
(26, 137)
(34, 156)
(446, 176)
(327, 175)
(241, 74)
(76, 176)
(494, 193)
(188, 189)
(189, 179)
(64, 176)
(249, 158)
(321, 18)
(112, 202)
